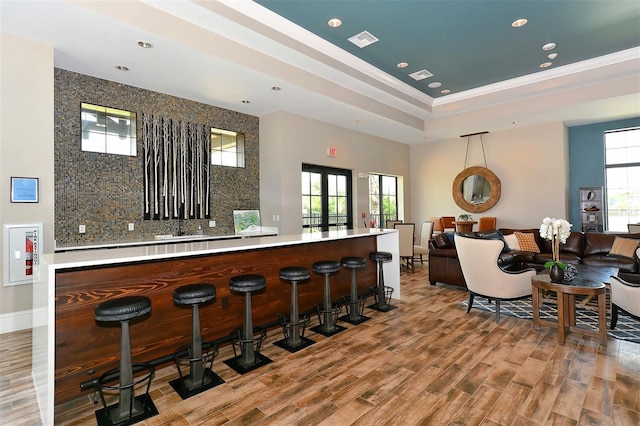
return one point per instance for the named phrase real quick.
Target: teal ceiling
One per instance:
(469, 44)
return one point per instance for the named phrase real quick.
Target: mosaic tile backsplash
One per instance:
(104, 192)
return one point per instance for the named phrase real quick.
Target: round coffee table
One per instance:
(566, 305)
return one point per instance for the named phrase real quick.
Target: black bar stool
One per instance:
(293, 330)
(355, 307)
(250, 357)
(200, 377)
(328, 315)
(381, 293)
(129, 409)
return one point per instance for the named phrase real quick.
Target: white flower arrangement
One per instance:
(557, 231)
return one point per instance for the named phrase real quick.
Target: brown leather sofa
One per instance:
(581, 247)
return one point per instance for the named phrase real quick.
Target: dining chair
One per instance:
(405, 240)
(633, 227)
(447, 223)
(421, 247)
(486, 223)
(390, 223)
(437, 225)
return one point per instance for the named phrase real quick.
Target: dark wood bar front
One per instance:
(82, 345)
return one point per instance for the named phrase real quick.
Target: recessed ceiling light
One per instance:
(122, 68)
(403, 64)
(276, 88)
(545, 65)
(549, 46)
(435, 84)
(552, 55)
(519, 23)
(357, 120)
(145, 44)
(334, 22)
(445, 91)
(245, 101)
(514, 122)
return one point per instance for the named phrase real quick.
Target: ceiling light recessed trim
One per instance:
(520, 22)
(334, 22)
(552, 55)
(246, 101)
(549, 46)
(445, 91)
(545, 64)
(420, 75)
(403, 64)
(434, 85)
(145, 44)
(363, 39)
(276, 88)
(122, 68)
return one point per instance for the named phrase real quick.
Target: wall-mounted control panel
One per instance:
(22, 249)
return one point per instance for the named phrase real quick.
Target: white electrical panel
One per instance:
(22, 252)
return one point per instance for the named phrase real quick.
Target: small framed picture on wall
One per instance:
(24, 190)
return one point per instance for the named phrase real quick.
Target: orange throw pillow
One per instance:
(624, 247)
(527, 242)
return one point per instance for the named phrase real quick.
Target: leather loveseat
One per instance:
(581, 247)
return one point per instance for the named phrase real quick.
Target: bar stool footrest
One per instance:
(328, 329)
(388, 291)
(145, 406)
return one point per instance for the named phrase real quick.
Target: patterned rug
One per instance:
(627, 328)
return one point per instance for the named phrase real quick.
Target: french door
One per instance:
(326, 199)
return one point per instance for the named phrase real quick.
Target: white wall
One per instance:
(288, 140)
(26, 149)
(531, 163)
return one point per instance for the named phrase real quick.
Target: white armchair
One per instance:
(421, 248)
(625, 296)
(479, 263)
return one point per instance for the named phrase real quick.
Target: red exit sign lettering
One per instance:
(332, 152)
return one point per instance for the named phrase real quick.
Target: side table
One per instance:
(566, 306)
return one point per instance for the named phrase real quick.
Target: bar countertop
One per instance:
(107, 256)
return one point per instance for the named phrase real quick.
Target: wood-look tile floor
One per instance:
(427, 362)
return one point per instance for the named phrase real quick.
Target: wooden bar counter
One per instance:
(68, 342)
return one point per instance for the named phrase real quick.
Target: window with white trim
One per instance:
(622, 167)
(227, 148)
(108, 130)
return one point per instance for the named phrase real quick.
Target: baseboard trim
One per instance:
(16, 321)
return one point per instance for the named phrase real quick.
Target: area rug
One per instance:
(627, 328)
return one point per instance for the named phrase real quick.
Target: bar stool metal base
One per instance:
(289, 331)
(103, 415)
(237, 362)
(382, 306)
(186, 389)
(354, 311)
(327, 319)
(234, 363)
(141, 406)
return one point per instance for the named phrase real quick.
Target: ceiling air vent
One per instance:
(363, 39)
(420, 75)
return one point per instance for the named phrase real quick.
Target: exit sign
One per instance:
(332, 152)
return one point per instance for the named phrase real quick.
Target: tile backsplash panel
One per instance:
(104, 192)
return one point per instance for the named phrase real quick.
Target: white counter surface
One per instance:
(107, 256)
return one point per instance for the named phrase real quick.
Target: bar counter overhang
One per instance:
(67, 342)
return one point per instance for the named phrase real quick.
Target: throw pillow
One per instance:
(512, 242)
(624, 247)
(442, 241)
(527, 242)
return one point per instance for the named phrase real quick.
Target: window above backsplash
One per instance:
(108, 130)
(227, 148)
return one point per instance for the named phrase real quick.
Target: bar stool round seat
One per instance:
(194, 294)
(294, 327)
(381, 293)
(247, 283)
(249, 357)
(355, 305)
(197, 353)
(129, 408)
(380, 256)
(294, 273)
(122, 309)
(328, 314)
(326, 267)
